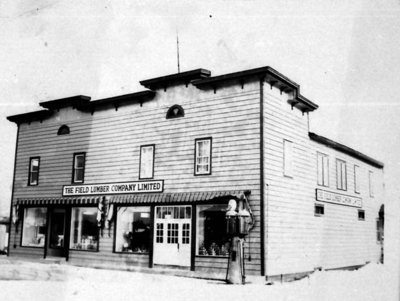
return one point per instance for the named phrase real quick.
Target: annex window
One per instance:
(84, 229)
(356, 179)
(319, 209)
(323, 169)
(34, 227)
(371, 183)
(146, 167)
(33, 178)
(341, 174)
(361, 215)
(175, 111)
(212, 239)
(78, 168)
(133, 230)
(287, 158)
(63, 130)
(202, 156)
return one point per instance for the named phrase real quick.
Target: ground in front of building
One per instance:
(21, 280)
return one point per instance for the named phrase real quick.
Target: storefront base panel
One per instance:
(28, 253)
(109, 261)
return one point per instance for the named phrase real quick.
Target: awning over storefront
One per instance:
(178, 197)
(83, 200)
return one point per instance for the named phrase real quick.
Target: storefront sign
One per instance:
(336, 198)
(114, 188)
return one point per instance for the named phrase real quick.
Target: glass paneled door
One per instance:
(58, 232)
(172, 235)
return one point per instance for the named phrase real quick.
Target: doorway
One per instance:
(172, 235)
(58, 232)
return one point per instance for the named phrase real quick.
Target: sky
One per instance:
(344, 56)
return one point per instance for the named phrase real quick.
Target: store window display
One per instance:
(34, 227)
(212, 239)
(133, 230)
(84, 229)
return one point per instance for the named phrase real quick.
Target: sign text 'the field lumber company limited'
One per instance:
(114, 188)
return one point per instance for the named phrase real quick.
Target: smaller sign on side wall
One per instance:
(114, 188)
(337, 198)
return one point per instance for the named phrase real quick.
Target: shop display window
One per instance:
(84, 229)
(34, 227)
(212, 239)
(133, 230)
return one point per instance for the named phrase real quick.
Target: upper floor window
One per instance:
(371, 183)
(33, 178)
(63, 130)
(341, 174)
(287, 158)
(323, 169)
(146, 167)
(78, 168)
(202, 164)
(356, 179)
(175, 111)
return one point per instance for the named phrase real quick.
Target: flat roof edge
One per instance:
(166, 80)
(135, 97)
(345, 149)
(272, 76)
(30, 116)
(65, 102)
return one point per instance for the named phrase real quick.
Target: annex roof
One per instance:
(345, 149)
(182, 77)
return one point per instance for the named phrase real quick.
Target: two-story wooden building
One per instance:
(144, 179)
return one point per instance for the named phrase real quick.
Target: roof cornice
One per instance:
(183, 77)
(117, 101)
(270, 75)
(73, 101)
(31, 116)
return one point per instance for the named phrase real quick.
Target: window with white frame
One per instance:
(323, 169)
(78, 168)
(356, 179)
(202, 156)
(287, 158)
(33, 171)
(371, 183)
(146, 168)
(34, 227)
(341, 174)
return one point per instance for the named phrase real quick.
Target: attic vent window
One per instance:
(175, 111)
(63, 130)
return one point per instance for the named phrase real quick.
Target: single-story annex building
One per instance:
(143, 180)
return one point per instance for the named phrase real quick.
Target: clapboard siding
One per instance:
(112, 140)
(298, 241)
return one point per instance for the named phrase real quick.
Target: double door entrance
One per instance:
(58, 232)
(172, 235)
